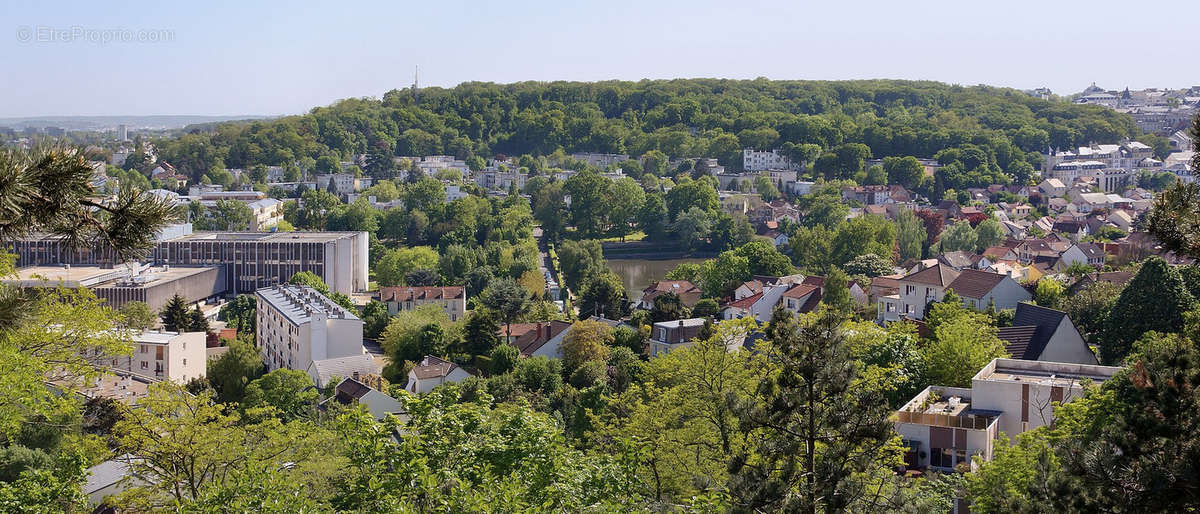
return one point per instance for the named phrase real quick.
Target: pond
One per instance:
(639, 273)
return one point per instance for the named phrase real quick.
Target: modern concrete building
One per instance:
(161, 355)
(256, 260)
(251, 259)
(947, 426)
(297, 325)
(133, 282)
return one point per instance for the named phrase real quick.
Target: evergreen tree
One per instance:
(175, 315)
(821, 428)
(196, 321)
(1156, 299)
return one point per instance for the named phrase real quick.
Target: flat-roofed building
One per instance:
(947, 426)
(161, 355)
(258, 260)
(132, 282)
(297, 325)
(251, 259)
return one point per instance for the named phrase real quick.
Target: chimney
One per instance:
(681, 323)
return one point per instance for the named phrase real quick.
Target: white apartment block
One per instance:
(600, 160)
(947, 426)
(160, 355)
(297, 325)
(343, 183)
(754, 160)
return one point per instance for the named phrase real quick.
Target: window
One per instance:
(960, 456)
(941, 457)
(145, 365)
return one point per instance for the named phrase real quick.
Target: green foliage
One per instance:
(765, 259)
(837, 291)
(310, 279)
(961, 346)
(959, 236)
(391, 268)
(1049, 293)
(287, 393)
(988, 233)
(818, 427)
(910, 235)
(175, 315)
(869, 265)
(579, 260)
(469, 457)
(230, 373)
(136, 315)
(1155, 299)
(60, 334)
(241, 313)
(1175, 219)
(507, 299)
(504, 358)
(706, 308)
(586, 341)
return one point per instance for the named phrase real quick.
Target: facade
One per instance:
(452, 299)
(754, 160)
(255, 260)
(297, 325)
(343, 183)
(174, 356)
(266, 214)
(671, 335)
(978, 289)
(947, 426)
(358, 367)
(350, 391)
(600, 160)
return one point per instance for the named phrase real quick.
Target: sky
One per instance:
(259, 58)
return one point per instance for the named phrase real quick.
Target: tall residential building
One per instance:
(161, 355)
(122, 132)
(754, 160)
(297, 325)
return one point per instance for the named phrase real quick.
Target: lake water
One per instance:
(639, 273)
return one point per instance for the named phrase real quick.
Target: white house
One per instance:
(540, 339)
(432, 372)
(325, 371)
(174, 356)
(350, 391)
(978, 289)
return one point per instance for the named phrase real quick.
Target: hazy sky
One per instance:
(224, 58)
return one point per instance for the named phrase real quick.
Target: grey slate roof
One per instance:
(1032, 328)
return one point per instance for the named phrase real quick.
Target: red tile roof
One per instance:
(406, 293)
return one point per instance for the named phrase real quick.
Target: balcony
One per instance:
(948, 407)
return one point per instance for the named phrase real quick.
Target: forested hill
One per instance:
(681, 118)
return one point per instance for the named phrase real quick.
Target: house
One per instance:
(1000, 253)
(671, 335)
(1074, 229)
(959, 260)
(1083, 253)
(916, 290)
(1042, 334)
(943, 427)
(883, 286)
(110, 478)
(777, 238)
(868, 195)
(452, 299)
(432, 372)
(802, 298)
(543, 338)
(1052, 188)
(1087, 202)
(979, 289)
(161, 355)
(265, 213)
(325, 372)
(1113, 277)
(688, 293)
(350, 391)
(1121, 219)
